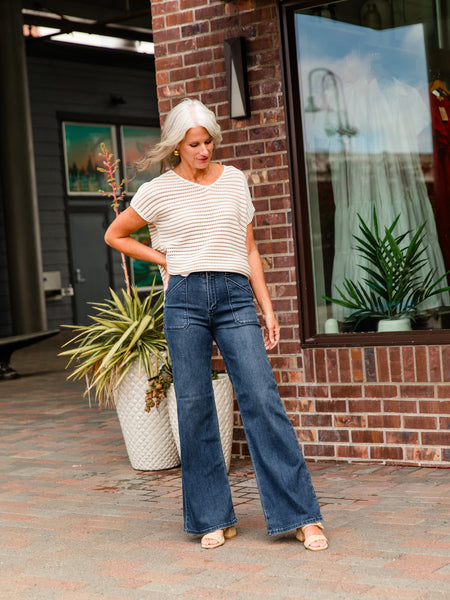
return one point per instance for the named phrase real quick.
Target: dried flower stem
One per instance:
(117, 193)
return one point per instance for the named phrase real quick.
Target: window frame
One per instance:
(300, 218)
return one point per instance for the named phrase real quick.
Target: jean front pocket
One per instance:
(240, 297)
(176, 314)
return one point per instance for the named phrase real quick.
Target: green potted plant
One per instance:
(123, 330)
(119, 352)
(395, 286)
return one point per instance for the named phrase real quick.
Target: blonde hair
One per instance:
(184, 116)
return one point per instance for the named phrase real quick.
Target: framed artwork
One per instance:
(143, 272)
(136, 141)
(82, 148)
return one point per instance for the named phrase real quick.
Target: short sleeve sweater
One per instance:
(198, 227)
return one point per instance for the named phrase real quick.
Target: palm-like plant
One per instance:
(122, 331)
(395, 285)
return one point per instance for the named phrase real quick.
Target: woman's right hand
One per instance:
(272, 331)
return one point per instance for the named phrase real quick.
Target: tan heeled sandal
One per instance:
(218, 537)
(310, 539)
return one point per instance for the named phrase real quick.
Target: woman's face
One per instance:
(196, 148)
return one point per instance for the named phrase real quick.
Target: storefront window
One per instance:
(373, 84)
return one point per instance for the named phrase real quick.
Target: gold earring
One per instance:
(176, 153)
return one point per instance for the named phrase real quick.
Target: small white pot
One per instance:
(224, 399)
(148, 435)
(394, 325)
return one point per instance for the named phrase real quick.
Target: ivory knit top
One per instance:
(198, 227)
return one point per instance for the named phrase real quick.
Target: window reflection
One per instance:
(376, 129)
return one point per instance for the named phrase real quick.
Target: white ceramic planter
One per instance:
(394, 325)
(148, 436)
(224, 398)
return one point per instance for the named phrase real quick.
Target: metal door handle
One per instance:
(78, 276)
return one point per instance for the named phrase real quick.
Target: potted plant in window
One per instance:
(395, 286)
(119, 352)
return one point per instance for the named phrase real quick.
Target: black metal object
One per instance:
(18, 179)
(237, 82)
(68, 25)
(10, 344)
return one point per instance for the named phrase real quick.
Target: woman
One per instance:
(199, 214)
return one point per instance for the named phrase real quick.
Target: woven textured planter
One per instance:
(148, 436)
(223, 396)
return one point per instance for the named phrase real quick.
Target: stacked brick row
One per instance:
(373, 404)
(378, 404)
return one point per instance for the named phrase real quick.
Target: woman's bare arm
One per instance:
(258, 283)
(118, 236)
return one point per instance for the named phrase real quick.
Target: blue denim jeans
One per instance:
(198, 309)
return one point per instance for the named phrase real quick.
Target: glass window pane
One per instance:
(144, 273)
(376, 132)
(136, 141)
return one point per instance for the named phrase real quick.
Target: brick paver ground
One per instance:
(78, 523)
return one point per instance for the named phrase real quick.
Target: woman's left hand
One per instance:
(166, 281)
(272, 331)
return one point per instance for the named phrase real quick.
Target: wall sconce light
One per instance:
(115, 100)
(237, 83)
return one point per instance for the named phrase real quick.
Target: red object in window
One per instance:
(440, 116)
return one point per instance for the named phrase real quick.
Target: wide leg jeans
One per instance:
(198, 309)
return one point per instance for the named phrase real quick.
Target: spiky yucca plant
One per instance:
(122, 331)
(394, 287)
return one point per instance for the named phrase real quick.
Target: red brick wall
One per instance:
(371, 404)
(377, 404)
